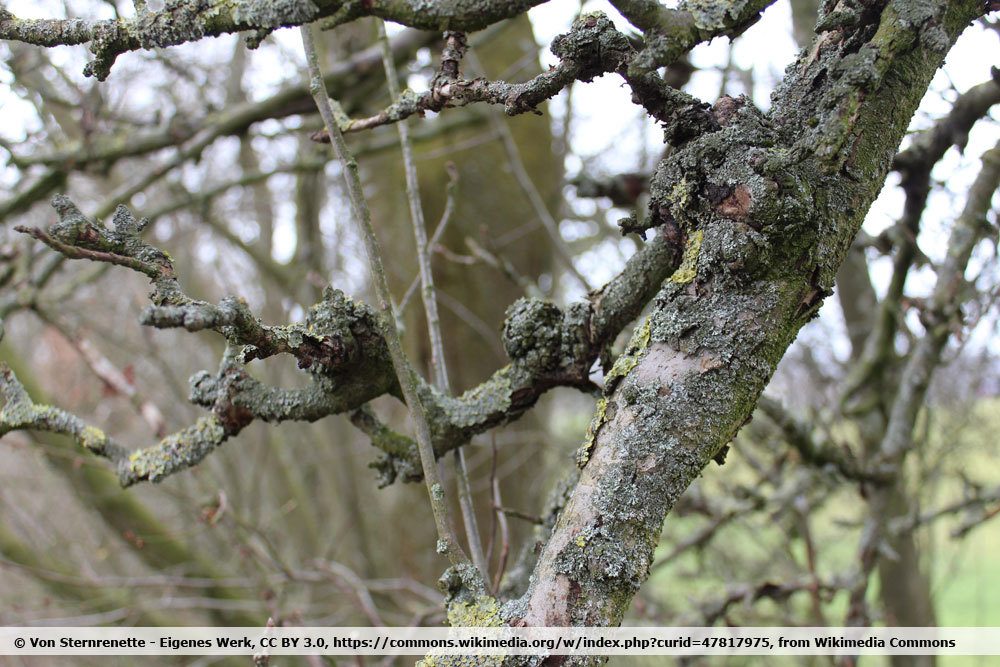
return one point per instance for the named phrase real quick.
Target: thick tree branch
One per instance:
(175, 452)
(928, 147)
(341, 345)
(182, 21)
(768, 206)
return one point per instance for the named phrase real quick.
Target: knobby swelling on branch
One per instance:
(593, 47)
(341, 346)
(913, 164)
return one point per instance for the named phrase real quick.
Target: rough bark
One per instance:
(770, 210)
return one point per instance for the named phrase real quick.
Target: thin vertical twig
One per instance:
(527, 185)
(407, 380)
(501, 518)
(449, 210)
(439, 368)
(263, 659)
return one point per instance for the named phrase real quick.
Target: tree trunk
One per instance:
(769, 206)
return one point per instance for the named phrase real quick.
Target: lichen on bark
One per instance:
(777, 208)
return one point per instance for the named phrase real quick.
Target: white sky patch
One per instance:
(284, 230)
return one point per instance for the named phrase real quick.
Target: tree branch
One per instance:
(768, 206)
(821, 453)
(447, 542)
(591, 48)
(182, 21)
(21, 413)
(439, 368)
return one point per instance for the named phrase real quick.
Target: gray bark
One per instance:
(775, 208)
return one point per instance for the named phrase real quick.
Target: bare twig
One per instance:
(940, 319)
(263, 659)
(449, 210)
(105, 369)
(501, 518)
(439, 368)
(448, 544)
(527, 185)
(504, 266)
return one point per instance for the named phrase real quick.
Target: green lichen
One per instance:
(272, 14)
(475, 406)
(629, 359)
(680, 194)
(600, 416)
(93, 438)
(16, 414)
(473, 611)
(714, 16)
(688, 269)
(175, 452)
(623, 364)
(483, 612)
